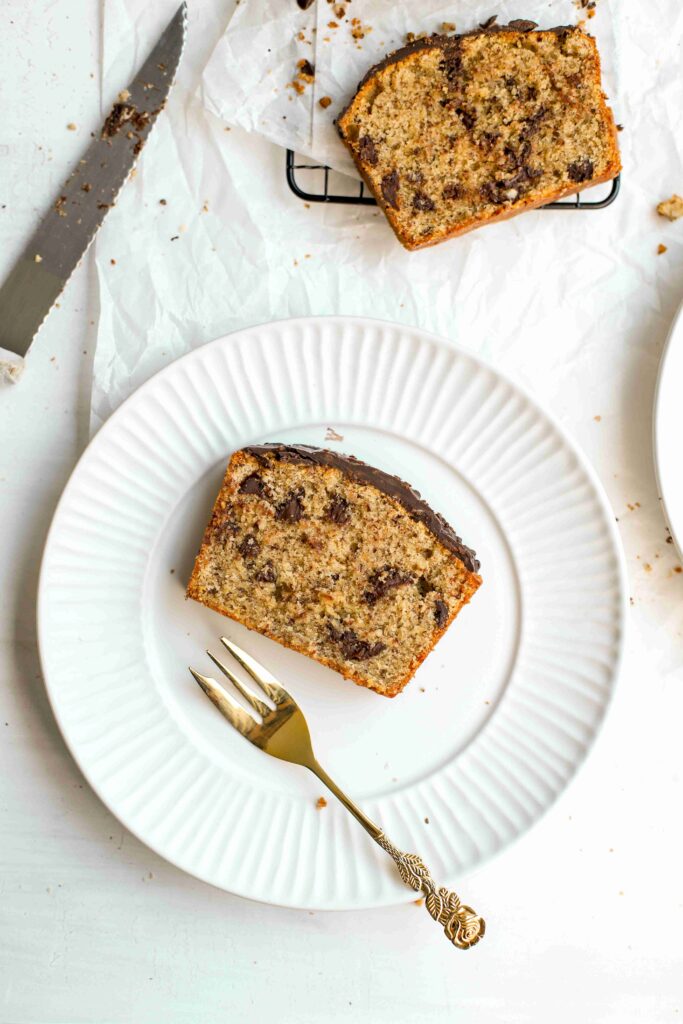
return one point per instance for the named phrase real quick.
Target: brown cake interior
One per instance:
(320, 559)
(453, 132)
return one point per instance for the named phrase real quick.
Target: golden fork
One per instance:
(283, 733)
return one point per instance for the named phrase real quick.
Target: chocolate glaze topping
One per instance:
(449, 44)
(361, 473)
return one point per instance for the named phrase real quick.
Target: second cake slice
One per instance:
(454, 132)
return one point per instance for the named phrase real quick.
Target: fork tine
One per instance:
(258, 673)
(229, 708)
(251, 698)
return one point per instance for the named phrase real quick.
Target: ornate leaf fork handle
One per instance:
(283, 732)
(461, 925)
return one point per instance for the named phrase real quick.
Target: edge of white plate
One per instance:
(671, 340)
(444, 343)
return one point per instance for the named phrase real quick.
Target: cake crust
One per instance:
(493, 122)
(334, 559)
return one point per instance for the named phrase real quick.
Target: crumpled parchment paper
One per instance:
(232, 246)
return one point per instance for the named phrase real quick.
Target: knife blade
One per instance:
(71, 223)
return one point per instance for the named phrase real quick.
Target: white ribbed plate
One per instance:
(496, 720)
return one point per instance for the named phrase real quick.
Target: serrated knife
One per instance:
(58, 245)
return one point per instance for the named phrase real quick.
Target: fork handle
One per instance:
(461, 925)
(368, 824)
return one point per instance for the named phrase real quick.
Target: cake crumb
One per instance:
(672, 208)
(661, 249)
(597, 418)
(320, 803)
(647, 567)
(304, 76)
(447, 26)
(426, 821)
(325, 101)
(358, 30)
(71, 127)
(124, 95)
(37, 258)
(418, 903)
(332, 435)
(678, 568)
(162, 202)
(113, 262)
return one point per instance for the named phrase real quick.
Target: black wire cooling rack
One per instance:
(323, 185)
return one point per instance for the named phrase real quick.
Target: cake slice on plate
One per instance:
(334, 559)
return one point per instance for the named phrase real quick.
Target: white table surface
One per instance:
(585, 913)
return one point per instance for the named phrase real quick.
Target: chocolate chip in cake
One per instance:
(533, 122)
(451, 65)
(468, 117)
(291, 510)
(423, 203)
(249, 547)
(253, 484)
(453, 191)
(283, 592)
(390, 186)
(501, 191)
(351, 645)
(581, 170)
(440, 614)
(424, 587)
(266, 574)
(489, 139)
(381, 581)
(338, 510)
(224, 528)
(367, 151)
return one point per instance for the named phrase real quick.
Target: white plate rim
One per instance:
(599, 492)
(674, 337)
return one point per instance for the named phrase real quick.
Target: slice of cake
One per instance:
(453, 132)
(334, 559)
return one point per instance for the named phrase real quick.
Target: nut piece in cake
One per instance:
(672, 208)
